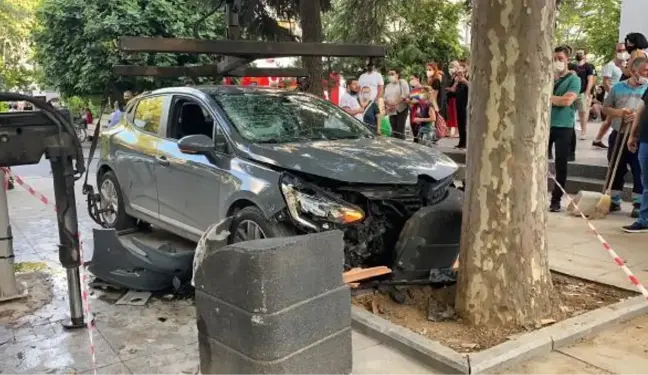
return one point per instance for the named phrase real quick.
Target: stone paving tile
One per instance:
(117, 368)
(176, 361)
(56, 352)
(554, 363)
(159, 327)
(380, 359)
(362, 341)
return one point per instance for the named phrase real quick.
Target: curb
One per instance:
(525, 346)
(429, 352)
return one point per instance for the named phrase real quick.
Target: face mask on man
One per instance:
(559, 67)
(623, 56)
(393, 78)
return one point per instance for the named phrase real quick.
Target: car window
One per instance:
(148, 114)
(288, 117)
(190, 117)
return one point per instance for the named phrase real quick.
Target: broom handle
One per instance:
(615, 152)
(618, 158)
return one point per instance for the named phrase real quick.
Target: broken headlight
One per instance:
(307, 205)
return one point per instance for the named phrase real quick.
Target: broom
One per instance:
(603, 206)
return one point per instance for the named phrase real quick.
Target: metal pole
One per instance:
(69, 253)
(8, 288)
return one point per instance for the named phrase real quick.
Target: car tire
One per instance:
(122, 220)
(252, 214)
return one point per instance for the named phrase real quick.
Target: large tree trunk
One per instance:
(310, 14)
(504, 273)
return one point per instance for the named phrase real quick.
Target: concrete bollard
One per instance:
(274, 306)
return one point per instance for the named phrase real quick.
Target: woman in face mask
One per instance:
(396, 95)
(371, 115)
(636, 45)
(451, 98)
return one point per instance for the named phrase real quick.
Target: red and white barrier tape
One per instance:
(617, 259)
(85, 296)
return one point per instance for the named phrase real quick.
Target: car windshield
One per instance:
(288, 117)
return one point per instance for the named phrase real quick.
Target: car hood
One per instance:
(377, 160)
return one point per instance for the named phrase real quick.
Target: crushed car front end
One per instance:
(414, 229)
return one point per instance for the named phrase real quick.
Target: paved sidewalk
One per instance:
(161, 337)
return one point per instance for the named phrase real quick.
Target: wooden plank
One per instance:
(252, 49)
(205, 71)
(357, 274)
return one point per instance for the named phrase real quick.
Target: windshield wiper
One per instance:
(269, 140)
(335, 138)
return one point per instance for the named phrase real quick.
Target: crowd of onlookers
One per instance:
(620, 103)
(434, 105)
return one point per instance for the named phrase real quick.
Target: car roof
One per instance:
(221, 90)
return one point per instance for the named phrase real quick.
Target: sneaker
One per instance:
(614, 206)
(599, 144)
(636, 227)
(554, 207)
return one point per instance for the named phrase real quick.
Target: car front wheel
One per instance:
(112, 201)
(251, 224)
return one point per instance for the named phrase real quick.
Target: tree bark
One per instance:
(310, 14)
(504, 276)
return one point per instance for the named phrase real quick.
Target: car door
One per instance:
(138, 153)
(188, 185)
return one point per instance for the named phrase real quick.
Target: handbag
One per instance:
(441, 126)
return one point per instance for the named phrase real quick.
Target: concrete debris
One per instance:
(134, 298)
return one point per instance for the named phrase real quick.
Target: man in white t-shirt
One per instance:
(612, 73)
(374, 80)
(349, 100)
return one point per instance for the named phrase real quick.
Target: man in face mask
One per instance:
(585, 71)
(612, 73)
(566, 88)
(621, 106)
(639, 139)
(372, 79)
(349, 100)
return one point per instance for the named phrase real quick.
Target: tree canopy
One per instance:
(16, 22)
(76, 41)
(415, 31)
(591, 25)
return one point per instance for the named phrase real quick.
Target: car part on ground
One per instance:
(141, 261)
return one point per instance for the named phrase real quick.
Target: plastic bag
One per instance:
(385, 127)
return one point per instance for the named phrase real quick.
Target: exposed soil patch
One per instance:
(39, 289)
(429, 311)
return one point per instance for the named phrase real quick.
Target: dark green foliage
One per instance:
(76, 43)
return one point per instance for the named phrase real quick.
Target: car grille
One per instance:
(435, 192)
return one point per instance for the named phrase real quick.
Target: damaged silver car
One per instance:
(279, 163)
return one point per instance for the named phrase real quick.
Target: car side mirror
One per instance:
(196, 144)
